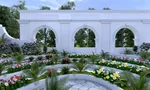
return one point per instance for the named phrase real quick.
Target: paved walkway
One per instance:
(85, 85)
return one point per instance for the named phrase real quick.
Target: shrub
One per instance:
(48, 56)
(145, 47)
(5, 49)
(31, 58)
(30, 48)
(49, 71)
(144, 55)
(104, 55)
(40, 57)
(135, 48)
(55, 58)
(65, 70)
(127, 51)
(64, 53)
(74, 60)
(54, 51)
(65, 60)
(14, 47)
(82, 60)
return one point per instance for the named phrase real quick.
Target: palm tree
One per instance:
(34, 72)
(19, 58)
(136, 82)
(52, 83)
(93, 58)
(104, 55)
(80, 66)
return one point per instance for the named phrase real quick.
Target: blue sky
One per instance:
(85, 4)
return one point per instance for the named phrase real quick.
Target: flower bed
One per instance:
(132, 61)
(13, 83)
(110, 76)
(20, 67)
(123, 66)
(79, 56)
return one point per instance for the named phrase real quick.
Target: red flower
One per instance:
(17, 77)
(11, 77)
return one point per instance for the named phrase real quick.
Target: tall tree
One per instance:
(106, 8)
(8, 18)
(45, 8)
(68, 6)
(91, 9)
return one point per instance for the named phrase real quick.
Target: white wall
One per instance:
(104, 24)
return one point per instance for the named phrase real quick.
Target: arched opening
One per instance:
(124, 38)
(45, 36)
(85, 37)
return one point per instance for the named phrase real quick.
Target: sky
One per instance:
(84, 4)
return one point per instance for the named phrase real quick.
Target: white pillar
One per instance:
(106, 26)
(64, 35)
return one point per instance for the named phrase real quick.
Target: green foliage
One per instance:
(94, 58)
(104, 55)
(80, 67)
(65, 70)
(55, 58)
(19, 58)
(144, 55)
(64, 53)
(31, 58)
(46, 37)
(124, 34)
(67, 6)
(85, 38)
(34, 72)
(74, 60)
(2, 67)
(145, 47)
(45, 8)
(135, 48)
(30, 48)
(54, 84)
(136, 82)
(127, 51)
(8, 18)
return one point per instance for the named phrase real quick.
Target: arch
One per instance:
(88, 27)
(132, 29)
(40, 27)
(85, 26)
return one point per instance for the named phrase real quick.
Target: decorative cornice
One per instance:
(105, 21)
(145, 21)
(84, 11)
(64, 21)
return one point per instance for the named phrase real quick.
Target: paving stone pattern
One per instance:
(85, 85)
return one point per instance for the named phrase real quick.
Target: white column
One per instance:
(24, 30)
(64, 35)
(106, 38)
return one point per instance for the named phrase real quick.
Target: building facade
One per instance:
(105, 24)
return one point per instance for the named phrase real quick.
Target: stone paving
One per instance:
(85, 85)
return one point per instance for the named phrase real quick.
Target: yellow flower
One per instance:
(125, 64)
(100, 70)
(114, 78)
(137, 70)
(116, 74)
(113, 62)
(107, 77)
(103, 61)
